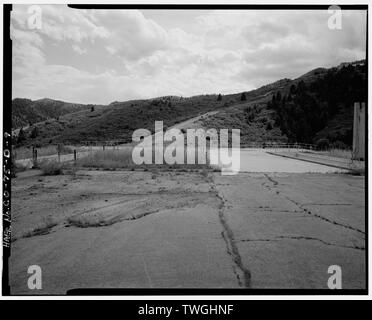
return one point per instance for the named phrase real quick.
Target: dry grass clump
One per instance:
(122, 158)
(107, 159)
(83, 221)
(50, 168)
(339, 153)
(41, 229)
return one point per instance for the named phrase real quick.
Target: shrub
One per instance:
(322, 144)
(50, 168)
(34, 133)
(42, 229)
(339, 145)
(21, 136)
(243, 97)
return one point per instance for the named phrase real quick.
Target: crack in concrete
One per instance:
(279, 238)
(326, 204)
(242, 273)
(278, 211)
(326, 219)
(307, 211)
(274, 182)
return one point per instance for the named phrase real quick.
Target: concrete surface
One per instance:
(317, 158)
(187, 230)
(260, 160)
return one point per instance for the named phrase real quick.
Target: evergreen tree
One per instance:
(292, 90)
(21, 136)
(278, 96)
(34, 132)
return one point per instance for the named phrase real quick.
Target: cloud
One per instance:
(130, 34)
(61, 23)
(28, 55)
(78, 49)
(141, 57)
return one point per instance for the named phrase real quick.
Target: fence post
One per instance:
(75, 157)
(59, 147)
(35, 157)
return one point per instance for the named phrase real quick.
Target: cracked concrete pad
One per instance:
(277, 226)
(204, 231)
(136, 207)
(249, 226)
(337, 198)
(248, 191)
(172, 249)
(301, 264)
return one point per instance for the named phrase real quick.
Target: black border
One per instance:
(7, 120)
(218, 6)
(7, 128)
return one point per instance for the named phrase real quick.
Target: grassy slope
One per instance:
(26, 111)
(118, 120)
(255, 122)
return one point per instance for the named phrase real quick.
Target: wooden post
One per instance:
(35, 157)
(75, 157)
(359, 131)
(59, 147)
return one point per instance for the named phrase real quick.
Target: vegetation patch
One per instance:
(50, 168)
(42, 229)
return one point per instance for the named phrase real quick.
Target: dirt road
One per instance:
(187, 230)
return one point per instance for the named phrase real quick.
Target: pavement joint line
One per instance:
(279, 238)
(307, 211)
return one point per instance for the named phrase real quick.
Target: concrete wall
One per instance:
(359, 131)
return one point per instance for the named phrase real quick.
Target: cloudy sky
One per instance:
(100, 56)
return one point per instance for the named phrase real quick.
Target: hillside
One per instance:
(26, 112)
(322, 108)
(317, 105)
(314, 108)
(117, 120)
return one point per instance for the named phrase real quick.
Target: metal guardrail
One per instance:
(307, 146)
(103, 143)
(275, 145)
